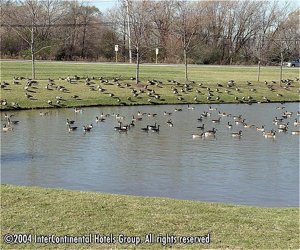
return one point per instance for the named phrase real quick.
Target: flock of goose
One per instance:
(202, 92)
(286, 122)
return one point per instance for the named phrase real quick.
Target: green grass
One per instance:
(208, 76)
(41, 211)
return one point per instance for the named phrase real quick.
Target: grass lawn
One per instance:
(125, 92)
(41, 211)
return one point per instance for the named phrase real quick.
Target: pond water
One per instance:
(250, 170)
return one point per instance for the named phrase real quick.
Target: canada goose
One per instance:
(7, 128)
(239, 134)
(99, 119)
(201, 127)
(197, 135)
(72, 128)
(77, 110)
(69, 122)
(145, 129)
(152, 126)
(170, 123)
(210, 132)
(283, 126)
(296, 122)
(190, 108)
(87, 128)
(237, 122)
(216, 120)
(248, 125)
(295, 132)
(156, 129)
(262, 129)
(229, 125)
(200, 119)
(223, 114)
(212, 109)
(270, 134)
(167, 113)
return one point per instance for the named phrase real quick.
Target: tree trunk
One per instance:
(185, 64)
(137, 66)
(32, 48)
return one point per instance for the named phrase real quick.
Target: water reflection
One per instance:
(250, 170)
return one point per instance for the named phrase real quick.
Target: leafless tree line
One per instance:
(201, 32)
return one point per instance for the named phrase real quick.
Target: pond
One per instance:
(250, 170)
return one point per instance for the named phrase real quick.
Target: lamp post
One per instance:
(156, 54)
(116, 50)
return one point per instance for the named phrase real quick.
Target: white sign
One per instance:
(116, 48)
(156, 51)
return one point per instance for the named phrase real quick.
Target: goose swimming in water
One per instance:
(239, 134)
(170, 123)
(210, 132)
(7, 128)
(262, 129)
(156, 129)
(270, 134)
(99, 119)
(72, 128)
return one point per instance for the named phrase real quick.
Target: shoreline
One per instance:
(140, 104)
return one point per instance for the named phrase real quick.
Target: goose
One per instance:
(190, 108)
(210, 132)
(296, 122)
(69, 122)
(201, 127)
(229, 125)
(178, 109)
(295, 132)
(197, 135)
(248, 125)
(167, 113)
(77, 110)
(283, 126)
(262, 129)
(152, 126)
(124, 128)
(10, 122)
(87, 128)
(237, 122)
(7, 128)
(156, 129)
(145, 129)
(216, 120)
(170, 123)
(239, 134)
(200, 119)
(270, 134)
(99, 119)
(72, 128)
(223, 114)
(212, 109)
(282, 129)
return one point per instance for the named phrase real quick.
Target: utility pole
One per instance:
(128, 30)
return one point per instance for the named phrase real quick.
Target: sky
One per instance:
(104, 5)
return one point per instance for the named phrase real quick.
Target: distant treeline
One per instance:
(200, 32)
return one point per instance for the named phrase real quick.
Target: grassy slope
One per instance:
(209, 76)
(49, 211)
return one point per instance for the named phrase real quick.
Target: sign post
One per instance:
(156, 53)
(116, 50)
